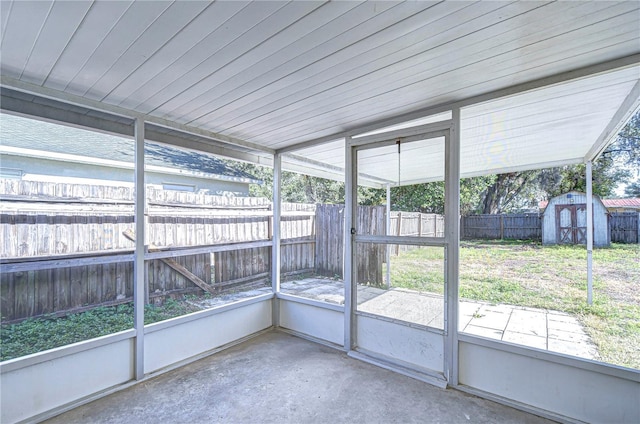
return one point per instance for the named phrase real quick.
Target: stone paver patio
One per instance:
(539, 328)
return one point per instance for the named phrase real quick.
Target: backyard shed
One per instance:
(564, 220)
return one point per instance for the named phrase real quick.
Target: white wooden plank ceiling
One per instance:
(277, 74)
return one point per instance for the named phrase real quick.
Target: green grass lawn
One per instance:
(39, 334)
(548, 277)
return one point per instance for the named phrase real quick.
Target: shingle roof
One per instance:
(43, 136)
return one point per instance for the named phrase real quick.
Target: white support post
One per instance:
(138, 263)
(348, 270)
(452, 236)
(589, 234)
(275, 247)
(388, 247)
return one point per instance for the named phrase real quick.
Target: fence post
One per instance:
(501, 226)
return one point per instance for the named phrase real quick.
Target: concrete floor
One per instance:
(278, 378)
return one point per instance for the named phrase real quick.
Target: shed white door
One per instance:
(571, 224)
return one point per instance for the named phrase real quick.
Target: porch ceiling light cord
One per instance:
(398, 143)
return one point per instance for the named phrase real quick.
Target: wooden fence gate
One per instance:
(624, 227)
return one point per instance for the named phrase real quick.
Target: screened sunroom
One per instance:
(146, 223)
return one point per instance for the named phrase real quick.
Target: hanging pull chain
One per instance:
(398, 143)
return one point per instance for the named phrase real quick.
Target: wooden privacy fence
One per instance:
(525, 226)
(624, 227)
(330, 243)
(371, 220)
(416, 224)
(67, 246)
(40, 191)
(64, 248)
(56, 262)
(53, 283)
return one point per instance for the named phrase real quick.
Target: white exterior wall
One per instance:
(166, 344)
(38, 383)
(51, 169)
(417, 347)
(579, 390)
(600, 218)
(315, 321)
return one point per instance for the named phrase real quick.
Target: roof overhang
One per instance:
(537, 84)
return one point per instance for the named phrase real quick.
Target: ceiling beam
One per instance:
(75, 100)
(200, 144)
(27, 105)
(619, 120)
(315, 168)
(528, 167)
(18, 103)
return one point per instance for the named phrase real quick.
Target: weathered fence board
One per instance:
(624, 227)
(416, 224)
(497, 227)
(46, 291)
(330, 242)
(370, 256)
(43, 235)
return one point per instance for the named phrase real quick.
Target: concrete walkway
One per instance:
(539, 328)
(278, 378)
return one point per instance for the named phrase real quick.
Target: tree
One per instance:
(471, 190)
(425, 198)
(301, 188)
(522, 190)
(633, 189)
(605, 178)
(430, 197)
(626, 148)
(505, 190)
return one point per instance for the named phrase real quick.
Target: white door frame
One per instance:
(450, 241)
